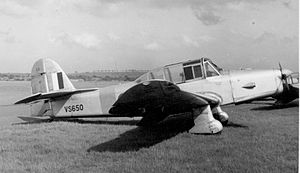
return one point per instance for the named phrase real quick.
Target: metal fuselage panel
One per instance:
(238, 86)
(218, 85)
(78, 105)
(248, 85)
(88, 103)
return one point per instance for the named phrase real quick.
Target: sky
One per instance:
(88, 35)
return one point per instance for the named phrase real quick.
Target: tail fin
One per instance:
(47, 76)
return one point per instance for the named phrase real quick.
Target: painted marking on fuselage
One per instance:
(60, 80)
(74, 108)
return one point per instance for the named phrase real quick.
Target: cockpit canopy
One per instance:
(183, 71)
(293, 78)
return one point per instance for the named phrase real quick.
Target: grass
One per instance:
(259, 138)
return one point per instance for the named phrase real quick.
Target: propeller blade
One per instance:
(280, 67)
(283, 76)
(284, 79)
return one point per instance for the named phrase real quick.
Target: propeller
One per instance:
(284, 78)
(290, 92)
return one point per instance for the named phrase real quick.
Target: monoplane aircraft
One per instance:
(196, 86)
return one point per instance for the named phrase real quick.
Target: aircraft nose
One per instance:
(286, 72)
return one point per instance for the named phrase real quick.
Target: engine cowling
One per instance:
(290, 84)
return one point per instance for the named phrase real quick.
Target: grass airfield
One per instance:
(258, 138)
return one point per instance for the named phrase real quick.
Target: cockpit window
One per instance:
(157, 74)
(197, 71)
(193, 70)
(210, 70)
(141, 78)
(188, 71)
(180, 72)
(293, 78)
(174, 73)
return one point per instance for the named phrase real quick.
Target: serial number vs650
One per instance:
(74, 108)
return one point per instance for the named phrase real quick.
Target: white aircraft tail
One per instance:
(50, 86)
(47, 76)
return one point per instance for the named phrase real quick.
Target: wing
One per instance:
(156, 99)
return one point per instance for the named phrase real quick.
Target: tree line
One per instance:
(128, 75)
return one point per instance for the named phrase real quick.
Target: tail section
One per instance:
(47, 76)
(51, 92)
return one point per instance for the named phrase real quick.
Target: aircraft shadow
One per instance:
(81, 121)
(274, 107)
(131, 122)
(135, 139)
(235, 125)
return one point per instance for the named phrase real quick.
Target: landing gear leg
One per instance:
(205, 122)
(220, 115)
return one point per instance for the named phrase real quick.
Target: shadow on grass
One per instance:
(135, 139)
(274, 107)
(235, 125)
(30, 120)
(33, 120)
(130, 122)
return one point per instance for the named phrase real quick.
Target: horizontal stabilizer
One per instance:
(52, 95)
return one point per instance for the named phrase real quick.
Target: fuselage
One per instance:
(233, 87)
(238, 86)
(197, 77)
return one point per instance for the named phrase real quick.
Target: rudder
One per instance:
(47, 76)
